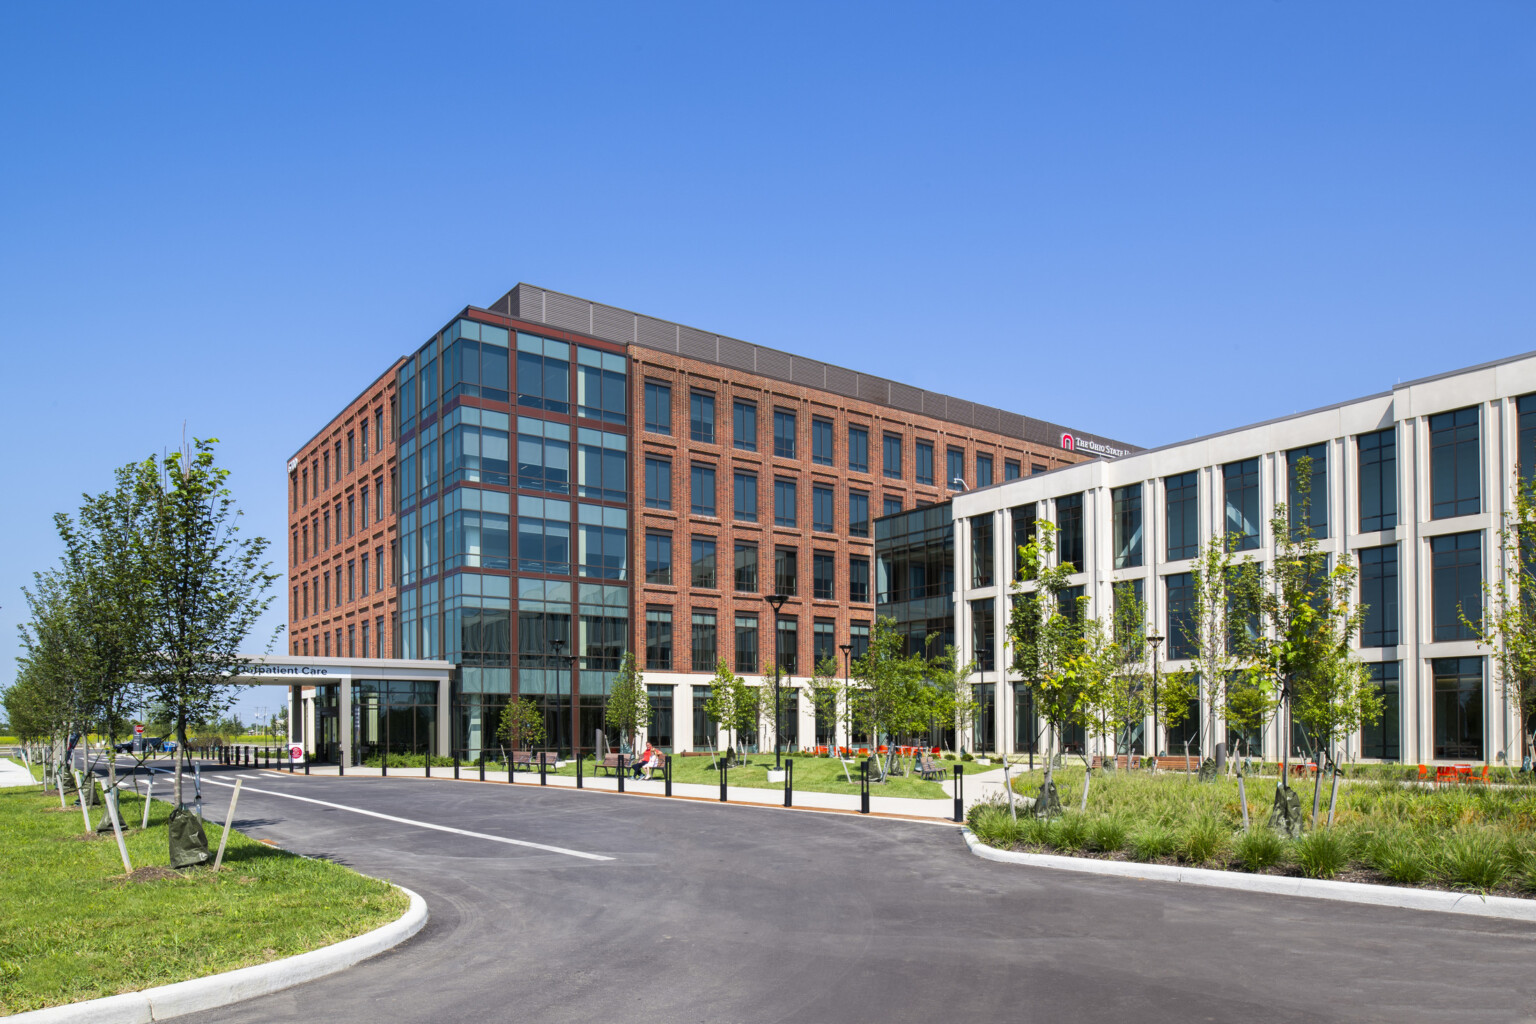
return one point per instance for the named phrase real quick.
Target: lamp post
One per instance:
(1154, 640)
(567, 660)
(847, 677)
(777, 602)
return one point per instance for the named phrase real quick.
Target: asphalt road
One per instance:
(720, 913)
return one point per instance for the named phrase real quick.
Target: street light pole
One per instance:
(847, 675)
(555, 645)
(777, 601)
(1155, 640)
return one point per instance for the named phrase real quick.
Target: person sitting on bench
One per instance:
(645, 762)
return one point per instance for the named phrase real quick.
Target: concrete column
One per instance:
(444, 713)
(344, 724)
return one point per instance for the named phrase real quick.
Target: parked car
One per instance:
(140, 744)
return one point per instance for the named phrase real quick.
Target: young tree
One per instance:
(1127, 694)
(723, 705)
(629, 704)
(893, 696)
(1304, 652)
(826, 695)
(522, 724)
(1216, 631)
(954, 695)
(206, 586)
(1508, 626)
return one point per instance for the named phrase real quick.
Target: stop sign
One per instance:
(138, 730)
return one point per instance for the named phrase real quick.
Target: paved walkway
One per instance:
(976, 788)
(14, 773)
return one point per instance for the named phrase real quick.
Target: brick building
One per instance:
(665, 481)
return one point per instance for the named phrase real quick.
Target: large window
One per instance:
(1182, 496)
(746, 568)
(658, 558)
(744, 425)
(983, 634)
(788, 650)
(821, 510)
(746, 497)
(1458, 708)
(784, 494)
(475, 451)
(892, 456)
(785, 571)
(543, 535)
(1011, 469)
(858, 514)
(858, 580)
(1454, 476)
(602, 541)
(746, 644)
(924, 462)
(1525, 444)
(983, 471)
(823, 641)
(1378, 592)
(1069, 531)
(1383, 739)
(1024, 518)
(823, 572)
(704, 562)
(1378, 480)
(658, 483)
(1456, 584)
(1181, 612)
(1127, 512)
(858, 449)
(474, 363)
(602, 464)
(982, 568)
(1309, 511)
(701, 417)
(955, 466)
(601, 384)
(821, 442)
(706, 647)
(784, 433)
(543, 374)
(658, 408)
(658, 638)
(1240, 482)
(702, 489)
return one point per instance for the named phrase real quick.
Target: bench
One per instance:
(529, 760)
(1132, 762)
(1177, 763)
(610, 763)
(930, 769)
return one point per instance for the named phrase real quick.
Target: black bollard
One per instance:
(578, 769)
(621, 773)
(789, 782)
(306, 764)
(455, 764)
(482, 766)
(864, 787)
(383, 763)
(722, 780)
(667, 774)
(959, 792)
(290, 762)
(542, 780)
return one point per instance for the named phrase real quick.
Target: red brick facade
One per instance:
(684, 376)
(341, 518)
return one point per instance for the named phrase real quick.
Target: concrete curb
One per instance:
(1506, 907)
(166, 1001)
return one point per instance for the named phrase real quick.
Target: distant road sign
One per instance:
(138, 730)
(296, 751)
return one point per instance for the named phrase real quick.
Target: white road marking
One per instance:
(420, 824)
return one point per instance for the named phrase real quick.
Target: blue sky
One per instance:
(1150, 221)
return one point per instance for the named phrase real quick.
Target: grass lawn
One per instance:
(73, 928)
(1475, 838)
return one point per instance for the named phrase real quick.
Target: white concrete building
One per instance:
(1413, 483)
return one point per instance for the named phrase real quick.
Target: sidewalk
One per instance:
(14, 773)
(976, 787)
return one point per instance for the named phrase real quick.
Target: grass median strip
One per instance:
(75, 928)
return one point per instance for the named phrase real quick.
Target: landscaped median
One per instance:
(76, 928)
(1465, 840)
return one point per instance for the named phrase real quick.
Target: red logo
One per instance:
(1068, 443)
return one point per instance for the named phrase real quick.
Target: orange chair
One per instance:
(1424, 773)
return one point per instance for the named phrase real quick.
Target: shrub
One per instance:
(1322, 853)
(965, 755)
(1107, 834)
(1152, 841)
(1473, 860)
(1069, 832)
(994, 826)
(1204, 839)
(1259, 849)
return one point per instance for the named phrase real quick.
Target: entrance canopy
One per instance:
(330, 721)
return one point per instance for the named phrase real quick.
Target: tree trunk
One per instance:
(180, 728)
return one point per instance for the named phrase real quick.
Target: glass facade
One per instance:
(1456, 585)
(1240, 486)
(1378, 593)
(1182, 496)
(1454, 471)
(1458, 708)
(1070, 531)
(1308, 511)
(1378, 480)
(915, 575)
(1127, 524)
(1383, 739)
